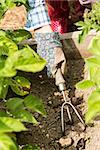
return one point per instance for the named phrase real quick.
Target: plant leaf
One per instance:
(1, 12)
(7, 46)
(6, 143)
(82, 35)
(94, 97)
(4, 84)
(95, 60)
(18, 110)
(25, 116)
(25, 60)
(94, 70)
(20, 1)
(8, 124)
(20, 85)
(2, 61)
(18, 35)
(3, 114)
(35, 104)
(29, 61)
(94, 45)
(23, 81)
(31, 147)
(93, 105)
(7, 71)
(80, 24)
(85, 84)
(17, 104)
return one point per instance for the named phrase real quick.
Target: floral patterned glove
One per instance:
(49, 47)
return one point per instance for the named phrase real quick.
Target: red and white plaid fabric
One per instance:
(59, 12)
(60, 26)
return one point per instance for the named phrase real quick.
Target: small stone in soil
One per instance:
(40, 126)
(47, 135)
(65, 142)
(43, 131)
(49, 103)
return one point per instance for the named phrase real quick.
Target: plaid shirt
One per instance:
(37, 15)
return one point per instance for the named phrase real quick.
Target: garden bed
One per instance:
(48, 132)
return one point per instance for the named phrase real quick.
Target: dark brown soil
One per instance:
(48, 132)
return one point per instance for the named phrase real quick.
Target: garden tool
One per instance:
(60, 82)
(49, 47)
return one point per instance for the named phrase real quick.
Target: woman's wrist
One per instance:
(44, 29)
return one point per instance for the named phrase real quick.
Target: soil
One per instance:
(48, 133)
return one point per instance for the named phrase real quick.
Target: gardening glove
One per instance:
(49, 47)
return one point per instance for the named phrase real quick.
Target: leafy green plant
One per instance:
(91, 21)
(93, 62)
(8, 125)
(14, 58)
(31, 147)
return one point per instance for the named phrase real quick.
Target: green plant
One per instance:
(93, 62)
(13, 58)
(14, 111)
(91, 21)
(31, 147)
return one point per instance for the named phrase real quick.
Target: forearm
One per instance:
(48, 42)
(44, 29)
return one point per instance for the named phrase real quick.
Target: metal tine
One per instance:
(68, 112)
(67, 108)
(60, 82)
(62, 115)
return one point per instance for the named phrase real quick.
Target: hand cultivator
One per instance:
(60, 82)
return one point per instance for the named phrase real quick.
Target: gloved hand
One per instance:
(49, 47)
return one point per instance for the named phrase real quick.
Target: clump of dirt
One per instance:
(48, 134)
